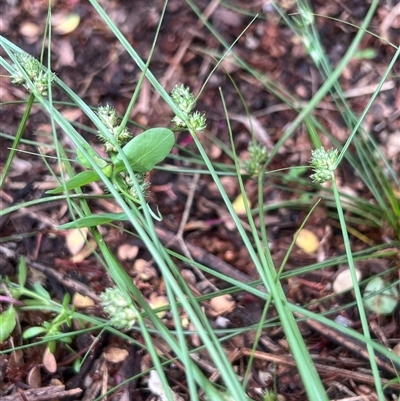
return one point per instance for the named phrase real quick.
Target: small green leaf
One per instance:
(366, 54)
(66, 300)
(33, 332)
(66, 339)
(146, 150)
(51, 346)
(81, 179)
(94, 220)
(385, 301)
(7, 323)
(82, 160)
(40, 290)
(77, 365)
(22, 272)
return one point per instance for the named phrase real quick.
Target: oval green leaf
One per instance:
(33, 332)
(146, 150)
(94, 220)
(80, 180)
(82, 160)
(385, 300)
(7, 323)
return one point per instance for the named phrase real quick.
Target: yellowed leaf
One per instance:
(238, 204)
(115, 355)
(66, 23)
(82, 301)
(307, 241)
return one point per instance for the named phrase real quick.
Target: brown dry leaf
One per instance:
(157, 388)
(307, 241)
(34, 377)
(65, 23)
(85, 252)
(222, 304)
(66, 53)
(392, 147)
(159, 302)
(389, 22)
(72, 114)
(56, 382)
(144, 269)
(127, 252)
(239, 205)
(197, 225)
(82, 301)
(20, 166)
(214, 152)
(343, 281)
(75, 239)
(49, 361)
(115, 355)
(254, 125)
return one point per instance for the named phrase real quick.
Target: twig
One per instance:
(325, 369)
(65, 281)
(45, 393)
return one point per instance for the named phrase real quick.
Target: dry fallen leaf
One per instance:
(221, 304)
(307, 241)
(85, 252)
(82, 301)
(343, 281)
(159, 302)
(75, 239)
(157, 388)
(34, 377)
(254, 125)
(144, 270)
(396, 349)
(127, 252)
(115, 355)
(30, 30)
(72, 114)
(49, 361)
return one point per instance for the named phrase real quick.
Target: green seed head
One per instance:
(323, 162)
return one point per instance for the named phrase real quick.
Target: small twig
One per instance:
(176, 60)
(185, 216)
(45, 393)
(325, 369)
(352, 344)
(207, 259)
(179, 235)
(65, 281)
